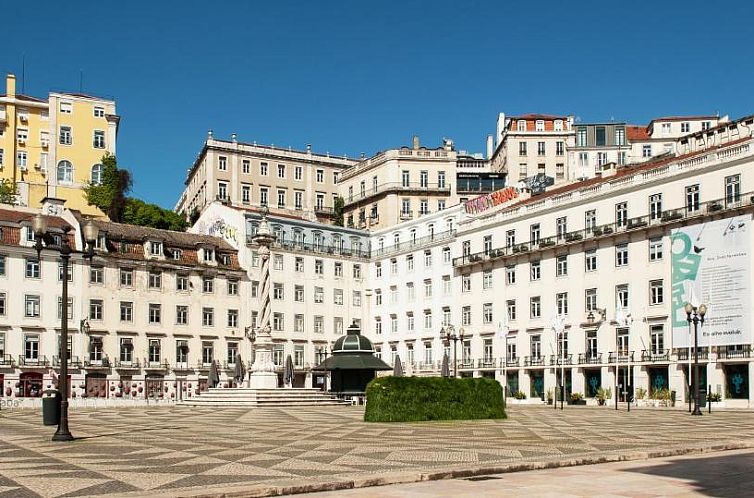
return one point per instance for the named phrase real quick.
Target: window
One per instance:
(96, 275)
(245, 166)
(298, 199)
(66, 107)
(581, 137)
(656, 292)
(155, 313)
(685, 127)
(733, 189)
(621, 295)
(208, 255)
(181, 283)
(320, 176)
(590, 300)
(487, 244)
(590, 219)
(69, 308)
(534, 233)
(561, 227)
(65, 172)
(655, 206)
(535, 307)
(208, 352)
(487, 313)
(378, 270)
(510, 309)
(278, 322)
(356, 271)
(559, 148)
(540, 148)
(561, 266)
(657, 339)
(535, 270)
(510, 275)
(31, 306)
(277, 291)
(126, 311)
(126, 349)
(377, 326)
(487, 279)
(126, 277)
(539, 125)
(561, 302)
(440, 179)
(99, 139)
(356, 298)
(65, 135)
(96, 177)
(522, 170)
(319, 267)
(510, 238)
(621, 214)
(600, 139)
(319, 324)
(423, 179)
(466, 315)
(466, 283)
(263, 169)
(298, 323)
(208, 317)
(281, 170)
(245, 194)
(277, 261)
(281, 198)
(522, 148)
(427, 288)
(410, 292)
(427, 320)
(590, 260)
(620, 136)
(208, 285)
(560, 171)
(232, 287)
(298, 173)
(521, 125)
(646, 151)
(31, 347)
(33, 269)
(338, 296)
(155, 279)
(692, 198)
(319, 295)
(99, 112)
(423, 207)
(181, 315)
(445, 256)
(427, 258)
(601, 158)
(655, 249)
(621, 255)
(263, 196)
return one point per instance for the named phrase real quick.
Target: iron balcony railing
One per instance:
(534, 361)
(672, 216)
(40, 361)
(182, 365)
(73, 361)
(683, 354)
(557, 360)
(403, 187)
(414, 244)
(156, 365)
(103, 363)
(655, 356)
(486, 363)
(591, 358)
(510, 362)
(732, 354)
(126, 365)
(621, 357)
(6, 360)
(291, 245)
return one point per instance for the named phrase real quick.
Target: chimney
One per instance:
(209, 134)
(500, 128)
(233, 137)
(490, 146)
(308, 148)
(415, 142)
(10, 85)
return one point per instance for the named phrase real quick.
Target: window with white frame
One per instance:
(319, 295)
(535, 307)
(32, 306)
(356, 298)
(621, 296)
(487, 279)
(510, 274)
(99, 139)
(466, 315)
(510, 309)
(621, 255)
(465, 283)
(208, 317)
(655, 249)
(277, 291)
(656, 292)
(561, 303)
(561, 265)
(65, 135)
(590, 260)
(487, 313)
(590, 300)
(655, 206)
(535, 270)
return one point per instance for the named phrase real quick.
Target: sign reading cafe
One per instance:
(711, 264)
(487, 201)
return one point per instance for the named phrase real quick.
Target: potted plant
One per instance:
(603, 394)
(715, 399)
(549, 396)
(607, 230)
(519, 395)
(715, 206)
(577, 399)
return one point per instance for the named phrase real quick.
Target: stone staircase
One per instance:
(247, 397)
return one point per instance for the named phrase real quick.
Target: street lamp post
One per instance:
(558, 326)
(695, 315)
(448, 333)
(39, 226)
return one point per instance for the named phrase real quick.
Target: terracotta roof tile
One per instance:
(636, 133)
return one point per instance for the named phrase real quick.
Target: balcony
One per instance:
(486, 363)
(511, 362)
(683, 354)
(406, 215)
(102, 364)
(161, 365)
(324, 211)
(464, 363)
(73, 362)
(668, 217)
(293, 246)
(534, 361)
(38, 362)
(734, 354)
(558, 360)
(182, 366)
(620, 357)
(407, 188)
(412, 245)
(6, 361)
(592, 358)
(661, 355)
(127, 364)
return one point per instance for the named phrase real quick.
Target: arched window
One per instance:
(97, 174)
(65, 172)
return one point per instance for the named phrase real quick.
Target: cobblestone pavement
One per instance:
(181, 450)
(723, 474)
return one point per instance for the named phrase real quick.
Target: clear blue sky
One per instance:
(352, 77)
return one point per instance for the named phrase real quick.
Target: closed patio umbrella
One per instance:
(239, 373)
(397, 367)
(213, 379)
(288, 372)
(445, 369)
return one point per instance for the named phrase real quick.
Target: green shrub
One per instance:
(409, 399)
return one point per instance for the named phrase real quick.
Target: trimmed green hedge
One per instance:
(410, 399)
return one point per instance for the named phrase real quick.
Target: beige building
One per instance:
(533, 144)
(289, 182)
(398, 185)
(662, 135)
(53, 146)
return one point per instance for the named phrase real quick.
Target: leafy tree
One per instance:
(194, 216)
(338, 206)
(110, 194)
(138, 212)
(8, 192)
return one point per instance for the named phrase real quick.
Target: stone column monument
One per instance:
(263, 374)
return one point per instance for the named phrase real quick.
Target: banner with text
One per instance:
(711, 264)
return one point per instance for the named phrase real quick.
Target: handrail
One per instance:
(414, 244)
(383, 188)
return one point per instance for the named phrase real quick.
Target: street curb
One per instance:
(265, 490)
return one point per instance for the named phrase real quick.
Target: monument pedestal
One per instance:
(263, 375)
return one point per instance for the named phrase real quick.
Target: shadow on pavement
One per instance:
(729, 475)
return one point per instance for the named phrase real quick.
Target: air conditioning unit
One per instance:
(21, 141)
(45, 142)
(23, 117)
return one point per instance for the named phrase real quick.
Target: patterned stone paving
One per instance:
(180, 450)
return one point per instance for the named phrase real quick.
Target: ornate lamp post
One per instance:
(448, 334)
(39, 226)
(695, 315)
(558, 326)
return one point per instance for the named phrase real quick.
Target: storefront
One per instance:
(30, 385)
(737, 381)
(592, 382)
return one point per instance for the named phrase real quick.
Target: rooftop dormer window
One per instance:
(225, 259)
(155, 248)
(540, 125)
(521, 125)
(100, 241)
(177, 254)
(558, 125)
(208, 255)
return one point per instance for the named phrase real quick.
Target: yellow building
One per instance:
(53, 147)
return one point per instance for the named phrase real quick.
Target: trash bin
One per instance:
(51, 407)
